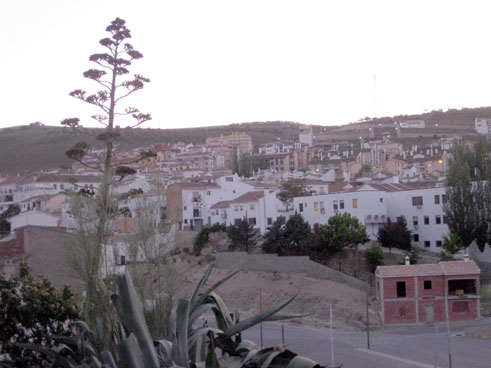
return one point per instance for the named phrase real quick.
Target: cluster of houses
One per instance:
(190, 186)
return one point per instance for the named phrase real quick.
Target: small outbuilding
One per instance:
(427, 293)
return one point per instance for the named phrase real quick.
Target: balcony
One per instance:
(374, 219)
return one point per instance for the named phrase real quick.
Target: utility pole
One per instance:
(448, 330)
(368, 321)
(261, 324)
(330, 333)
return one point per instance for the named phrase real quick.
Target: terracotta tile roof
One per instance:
(249, 197)
(441, 268)
(221, 204)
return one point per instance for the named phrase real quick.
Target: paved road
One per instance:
(398, 347)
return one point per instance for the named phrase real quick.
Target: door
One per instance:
(430, 318)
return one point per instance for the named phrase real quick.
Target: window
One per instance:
(415, 220)
(335, 205)
(270, 221)
(438, 219)
(427, 220)
(355, 203)
(416, 237)
(438, 243)
(316, 206)
(252, 221)
(417, 201)
(322, 207)
(461, 286)
(437, 199)
(62, 186)
(236, 208)
(321, 190)
(229, 178)
(196, 212)
(185, 208)
(401, 289)
(237, 221)
(208, 192)
(252, 207)
(444, 198)
(427, 284)
(445, 219)
(186, 221)
(341, 204)
(381, 200)
(460, 307)
(300, 207)
(241, 207)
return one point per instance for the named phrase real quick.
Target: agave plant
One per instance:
(190, 346)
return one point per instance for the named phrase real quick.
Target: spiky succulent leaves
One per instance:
(197, 334)
(212, 288)
(108, 359)
(130, 354)
(164, 352)
(222, 315)
(180, 352)
(211, 360)
(249, 322)
(203, 308)
(201, 283)
(131, 314)
(301, 362)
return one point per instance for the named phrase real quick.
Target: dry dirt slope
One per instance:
(241, 293)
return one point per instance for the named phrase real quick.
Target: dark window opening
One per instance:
(427, 220)
(437, 199)
(461, 287)
(300, 207)
(416, 237)
(195, 212)
(417, 201)
(252, 221)
(401, 289)
(427, 284)
(427, 244)
(438, 243)
(270, 221)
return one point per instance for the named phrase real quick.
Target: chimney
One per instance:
(407, 261)
(466, 257)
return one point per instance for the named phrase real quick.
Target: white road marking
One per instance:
(407, 361)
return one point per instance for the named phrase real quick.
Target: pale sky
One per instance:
(221, 62)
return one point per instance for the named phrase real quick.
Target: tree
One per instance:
(365, 168)
(241, 235)
(468, 193)
(12, 210)
(374, 256)
(247, 164)
(341, 231)
(293, 188)
(395, 234)
(112, 66)
(451, 244)
(287, 237)
(30, 311)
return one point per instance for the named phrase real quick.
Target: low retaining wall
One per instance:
(286, 264)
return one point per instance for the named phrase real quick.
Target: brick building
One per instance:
(419, 293)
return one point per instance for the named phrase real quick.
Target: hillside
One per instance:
(27, 148)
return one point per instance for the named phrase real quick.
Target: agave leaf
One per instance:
(282, 316)
(203, 296)
(133, 319)
(222, 314)
(201, 283)
(130, 353)
(193, 339)
(108, 359)
(302, 362)
(246, 344)
(198, 312)
(182, 332)
(270, 358)
(96, 362)
(249, 322)
(36, 347)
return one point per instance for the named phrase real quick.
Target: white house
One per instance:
(34, 217)
(483, 126)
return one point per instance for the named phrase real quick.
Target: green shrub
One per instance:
(374, 256)
(202, 237)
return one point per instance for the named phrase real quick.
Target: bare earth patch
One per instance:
(241, 293)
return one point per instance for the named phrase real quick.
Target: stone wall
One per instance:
(287, 264)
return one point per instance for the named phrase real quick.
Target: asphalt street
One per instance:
(395, 347)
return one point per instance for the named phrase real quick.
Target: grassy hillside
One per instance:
(27, 148)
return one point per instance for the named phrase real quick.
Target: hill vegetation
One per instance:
(34, 146)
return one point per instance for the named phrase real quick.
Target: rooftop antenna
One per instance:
(375, 94)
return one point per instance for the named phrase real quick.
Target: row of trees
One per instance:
(468, 194)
